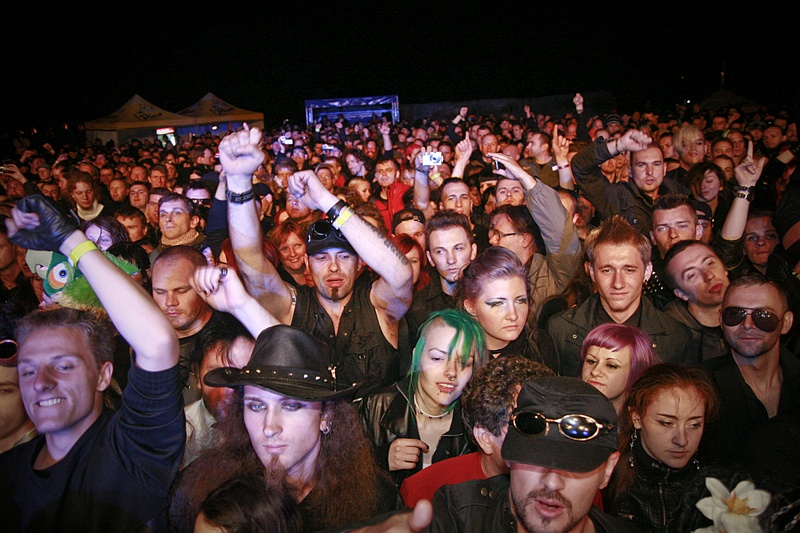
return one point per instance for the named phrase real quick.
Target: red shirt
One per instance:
(424, 483)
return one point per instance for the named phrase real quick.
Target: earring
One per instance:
(326, 429)
(634, 436)
(696, 461)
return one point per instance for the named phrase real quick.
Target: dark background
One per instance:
(70, 63)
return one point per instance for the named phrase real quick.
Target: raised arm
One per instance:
(223, 290)
(386, 129)
(240, 154)
(513, 170)
(747, 173)
(37, 223)
(463, 152)
(560, 151)
(392, 291)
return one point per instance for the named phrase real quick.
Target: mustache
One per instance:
(546, 494)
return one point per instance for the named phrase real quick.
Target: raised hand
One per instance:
(240, 154)
(305, 186)
(39, 223)
(220, 287)
(463, 149)
(560, 146)
(634, 141)
(385, 128)
(749, 171)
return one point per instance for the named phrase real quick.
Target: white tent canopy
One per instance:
(211, 109)
(139, 119)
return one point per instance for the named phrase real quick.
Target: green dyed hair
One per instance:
(469, 340)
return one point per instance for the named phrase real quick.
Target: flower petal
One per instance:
(737, 523)
(743, 487)
(707, 506)
(758, 500)
(717, 489)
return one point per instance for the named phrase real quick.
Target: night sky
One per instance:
(70, 64)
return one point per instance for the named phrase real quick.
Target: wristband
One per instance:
(79, 251)
(422, 170)
(745, 193)
(335, 210)
(560, 167)
(343, 217)
(235, 198)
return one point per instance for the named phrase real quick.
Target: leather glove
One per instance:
(55, 224)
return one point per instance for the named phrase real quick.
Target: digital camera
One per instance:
(432, 159)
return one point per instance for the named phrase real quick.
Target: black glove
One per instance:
(55, 224)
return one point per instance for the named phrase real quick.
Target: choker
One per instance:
(423, 413)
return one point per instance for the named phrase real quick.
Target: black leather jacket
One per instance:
(386, 416)
(656, 493)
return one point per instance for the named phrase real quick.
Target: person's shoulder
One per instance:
(606, 523)
(475, 492)
(382, 398)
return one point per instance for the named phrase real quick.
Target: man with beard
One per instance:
(356, 316)
(561, 447)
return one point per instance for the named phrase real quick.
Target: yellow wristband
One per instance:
(81, 250)
(343, 217)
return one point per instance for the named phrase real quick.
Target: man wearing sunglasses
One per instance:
(359, 318)
(561, 448)
(758, 383)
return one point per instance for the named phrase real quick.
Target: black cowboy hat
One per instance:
(289, 362)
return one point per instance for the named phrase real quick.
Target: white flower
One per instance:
(733, 512)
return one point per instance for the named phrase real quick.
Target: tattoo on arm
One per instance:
(389, 244)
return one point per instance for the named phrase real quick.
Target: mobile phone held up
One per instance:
(286, 140)
(432, 159)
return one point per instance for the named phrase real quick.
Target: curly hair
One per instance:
(491, 394)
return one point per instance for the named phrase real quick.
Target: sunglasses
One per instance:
(573, 427)
(764, 320)
(321, 229)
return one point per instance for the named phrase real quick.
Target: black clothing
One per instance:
(656, 492)
(623, 198)
(481, 235)
(387, 416)
(360, 352)
(739, 434)
(671, 339)
(482, 506)
(117, 475)
(431, 298)
(708, 341)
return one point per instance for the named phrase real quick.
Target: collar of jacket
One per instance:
(583, 315)
(654, 470)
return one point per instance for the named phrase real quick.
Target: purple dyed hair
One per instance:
(615, 337)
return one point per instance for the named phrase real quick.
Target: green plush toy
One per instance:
(64, 284)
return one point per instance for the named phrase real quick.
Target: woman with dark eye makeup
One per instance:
(495, 290)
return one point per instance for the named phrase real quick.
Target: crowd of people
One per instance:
(462, 323)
